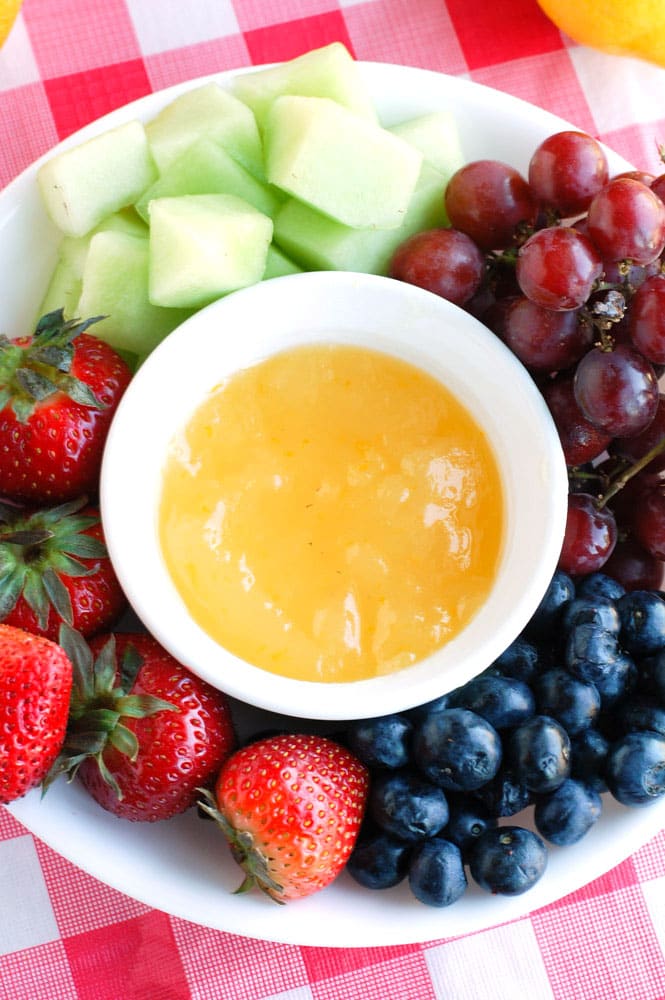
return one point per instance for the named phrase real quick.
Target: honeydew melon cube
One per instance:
(278, 264)
(319, 243)
(64, 288)
(82, 185)
(115, 285)
(209, 111)
(203, 246)
(351, 169)
(329, 71)
(208, 168)
(437, 137)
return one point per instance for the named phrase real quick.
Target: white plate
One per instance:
(182, 866)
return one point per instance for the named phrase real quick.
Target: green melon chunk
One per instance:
(278, 264)
(64, 288)
(207, 168)
(345, 166)
(82, 185)
(202, 246)
(209, 111)
(115, 285)
(437, 137)
(319, 243)
(329, 71)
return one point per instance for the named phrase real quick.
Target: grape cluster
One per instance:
(572, 711)
(566, 266)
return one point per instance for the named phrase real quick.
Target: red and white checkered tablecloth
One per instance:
(66, 936)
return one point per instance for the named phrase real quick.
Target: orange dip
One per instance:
(332, 513)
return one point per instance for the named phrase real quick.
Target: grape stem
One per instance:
(618, 484)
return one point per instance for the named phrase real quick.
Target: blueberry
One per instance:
(421, 712)
(572, 702)
(379, 861)
(539, 753)
(508, 860)
(600, 585)
(593, 654)
(457, 749)
(588, 757)
(638, 714)
(642, 615)
(467, 819)
(547, 615)
(565, 815)
(381, 742)
(406, 806)
(502, 701)
(504, 795)
(436, 872)
(636, 768)
(591, 611)
(519, 660)
(655, 667)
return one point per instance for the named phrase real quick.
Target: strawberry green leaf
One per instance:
(35, 384)
(138, 706)
(124, 741)
(58, 595)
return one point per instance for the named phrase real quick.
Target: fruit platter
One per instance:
(566, 826)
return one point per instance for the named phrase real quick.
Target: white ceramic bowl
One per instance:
(374, 312)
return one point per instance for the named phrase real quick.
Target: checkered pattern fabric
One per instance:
(65, 936)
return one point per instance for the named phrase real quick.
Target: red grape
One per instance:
(488, 200)
(544, 340)
(647, 319)
(443, 261)
(633, 567)
(648, 522)
(580, 440)
(557, 267)
(627, 221)
(590, 536)
(636, 447)
(567, 170)
(616, 390)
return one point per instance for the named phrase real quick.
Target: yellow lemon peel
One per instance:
(630, 29)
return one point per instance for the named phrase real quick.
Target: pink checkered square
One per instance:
(70, 36)
(223, 965)
(9, 827)
(42, 973)
(82, 97)
(405, 978)
(404, 32)
(133, 960)
(256, 14)
(601, 941)
(69, 887)
(548, 81)
(178, 65)
(27, 129)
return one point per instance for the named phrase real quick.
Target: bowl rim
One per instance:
(136, 447)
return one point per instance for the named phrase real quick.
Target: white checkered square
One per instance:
(26, 914)
(461, 968)
(620, 91)
(654, 897)
(161, 25)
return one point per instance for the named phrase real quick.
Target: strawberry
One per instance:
(290, 807)
(59, 389)
(35, 686)
(144, 733)
(54, 567)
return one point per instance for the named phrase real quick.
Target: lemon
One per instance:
(8, 12)
(635, 28)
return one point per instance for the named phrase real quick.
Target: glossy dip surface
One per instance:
(331, 513)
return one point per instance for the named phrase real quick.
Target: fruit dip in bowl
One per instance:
(341, 496)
